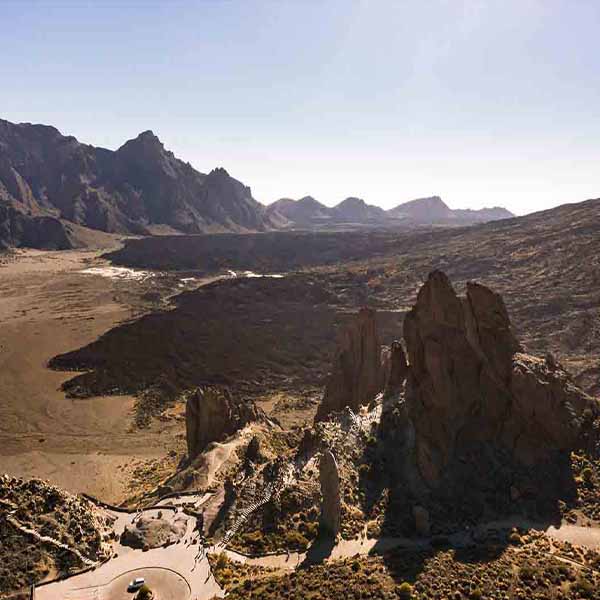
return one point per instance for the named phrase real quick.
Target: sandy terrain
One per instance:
(52, 302)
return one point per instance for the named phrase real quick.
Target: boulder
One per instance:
(148, 532)
(357, 374)
(212, 414)
(331, 507)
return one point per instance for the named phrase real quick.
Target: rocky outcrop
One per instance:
(398, 368)
(472, 392)
(212, 414)
(153, 532)
(357, 374)
(17, 228)
(331, 508)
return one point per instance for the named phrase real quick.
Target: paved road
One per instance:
(177, 572)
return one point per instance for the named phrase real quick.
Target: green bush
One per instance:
(144, 593)
(295, 539)
(587, 475)
(584, 588)
(405, 591)
(514, 538)
(222, 561)
(526, 572)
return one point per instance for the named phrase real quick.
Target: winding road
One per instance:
(176, 572)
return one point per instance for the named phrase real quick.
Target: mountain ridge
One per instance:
(308, 211)
(51, 183)
(129, 190)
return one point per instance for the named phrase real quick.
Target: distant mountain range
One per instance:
(308, 212)
(52, 187)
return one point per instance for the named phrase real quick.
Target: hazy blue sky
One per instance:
(483, 103)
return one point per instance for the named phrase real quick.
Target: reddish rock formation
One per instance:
(212, 414)
(357, 375)
(469, 385)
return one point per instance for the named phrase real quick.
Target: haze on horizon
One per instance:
(483, 103)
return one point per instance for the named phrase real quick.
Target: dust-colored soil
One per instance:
(48, 306)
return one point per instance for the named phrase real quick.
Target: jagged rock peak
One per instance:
(357, 374)
(148, 136)
(212, 414)
(470, 386)
(218, 172)
(146, 139)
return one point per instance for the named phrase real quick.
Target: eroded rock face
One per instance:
(212, 414)
(471, 388)
(357, 374)
(331, 507)
(398, 369)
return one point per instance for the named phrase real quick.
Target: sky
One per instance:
(483, 103)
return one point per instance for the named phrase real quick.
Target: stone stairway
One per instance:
(271, 491)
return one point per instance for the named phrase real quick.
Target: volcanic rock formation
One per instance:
(357, 375)
(471, 392)
(331, 508)
(398, 368)
(212, 414)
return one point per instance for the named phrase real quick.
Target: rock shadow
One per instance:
(318, 551)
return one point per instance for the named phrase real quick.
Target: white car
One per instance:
(136, 584)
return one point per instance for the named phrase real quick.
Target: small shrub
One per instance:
(526, 572)
(295, 539)
(584, 587)
(405, 591)
(144, 593)
(515, 539)
(222, 561)
(363, 469)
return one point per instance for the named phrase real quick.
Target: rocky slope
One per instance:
(45, 531)
(135, 189)
(309, 213)
(470, 429)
